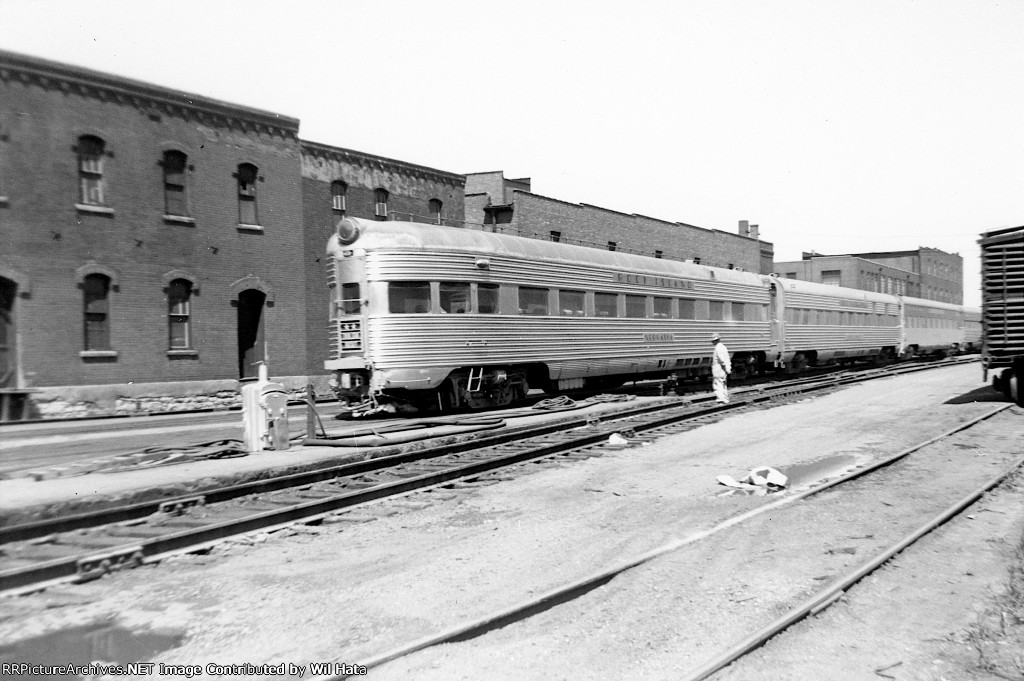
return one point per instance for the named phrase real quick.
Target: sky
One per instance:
(837, 126)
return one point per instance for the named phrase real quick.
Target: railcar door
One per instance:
(776, 314)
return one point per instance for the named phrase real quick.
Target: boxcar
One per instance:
(1002, 307)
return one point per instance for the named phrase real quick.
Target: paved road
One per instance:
(38, 445)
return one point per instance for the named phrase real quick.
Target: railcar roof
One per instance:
(931, 303)
(814, 288)
(376, 235)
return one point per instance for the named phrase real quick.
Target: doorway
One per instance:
(8, 335)
(251, 348)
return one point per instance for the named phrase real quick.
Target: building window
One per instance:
(175, 197)
(612, 245)
(90, 169)
(339, 191)
(434, 206)
(555, 236)
(179, 311)
(832, 277)
(380, 197)
(247, 214)
(96, 289)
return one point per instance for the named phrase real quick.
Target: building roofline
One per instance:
(67, 77)
(846, 256)
(381, 162)
(638, 215)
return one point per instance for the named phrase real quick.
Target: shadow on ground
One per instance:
(983, 394)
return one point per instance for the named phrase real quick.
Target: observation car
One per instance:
(442, 317)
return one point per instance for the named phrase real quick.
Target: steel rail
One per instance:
(93, 564)
(543, 601)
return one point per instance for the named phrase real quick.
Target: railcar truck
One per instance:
(1002, 301)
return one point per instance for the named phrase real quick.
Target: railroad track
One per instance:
(883, 474)
(90, 545)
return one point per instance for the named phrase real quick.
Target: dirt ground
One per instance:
(406, 569)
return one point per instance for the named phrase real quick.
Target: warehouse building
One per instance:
(924, 273)
(507, 205)
(156, 245)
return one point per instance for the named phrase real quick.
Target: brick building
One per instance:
(925, 273)
(155, 244)
(508, 205)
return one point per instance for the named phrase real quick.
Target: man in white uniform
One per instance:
(720, 368)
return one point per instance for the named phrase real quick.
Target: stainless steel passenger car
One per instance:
(825, 324)
(427, 314)
(435, 316)
(932, 328)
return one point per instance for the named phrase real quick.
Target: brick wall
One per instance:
(44, 109)
(536, 216)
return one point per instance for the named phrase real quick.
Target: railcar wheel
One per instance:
(446, 397)
(797, 364)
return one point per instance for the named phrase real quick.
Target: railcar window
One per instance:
(571, 303)
(350, 300)
(716, 310)
(487, 298)
(756, 312)
(687, 309)
(700, 309)
(454, 297)
(636, 306)
(606, 305)
(533, 301)
(409, 297)
(662, 308)
(738, 312)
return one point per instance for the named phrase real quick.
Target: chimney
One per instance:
(744, 228)
(754, 231)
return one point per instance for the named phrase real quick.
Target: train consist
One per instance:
(440, 317)
(1002, 304)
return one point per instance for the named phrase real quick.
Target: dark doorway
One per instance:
(250, 332)
(8, 335)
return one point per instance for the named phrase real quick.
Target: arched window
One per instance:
(338, 194)
(246, 175)
(90, 169)
(380, 196)
(434, 206)
(96, 294)
(179, 312)
(175, 196)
